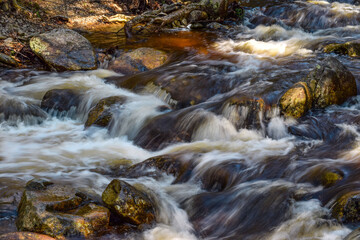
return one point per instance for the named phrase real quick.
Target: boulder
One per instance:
(331, 83)
(296, 101)
(60, 100)
(328, 83)
(138, 60)
(64, 49)
(24, 236)
(100, 114)
(59, 211)
(351, 48)
(347, 208)
(128, 203)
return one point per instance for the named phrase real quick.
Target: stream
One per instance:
(259, 181)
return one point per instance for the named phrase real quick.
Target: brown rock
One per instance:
(138, 60)
(58, 211)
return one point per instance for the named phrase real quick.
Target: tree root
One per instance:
(157, 19)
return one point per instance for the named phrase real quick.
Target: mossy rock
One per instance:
(296, 101)
(329, 178)
(331, 83)
(59, 211)
(347, 208)
(138, 60)
(64, 49)
(128, 203)
(351, 49)
(100, 114)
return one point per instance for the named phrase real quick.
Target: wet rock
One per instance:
(222, 176)
(13, 110)
(24, 236)
(138, 60)
(101, 114)
(7, 60)
(330, 83)
(128, 203)
(321, 175)
(60, 100)
(165, 129)
(296, 101)
(59, 211)
(230, 210)
(244, 112)
(347, 208)
(349, 48)
(37, 184)
(182, 125)
(197, 15)
(64, 49)
(169, 164)
(329, 178)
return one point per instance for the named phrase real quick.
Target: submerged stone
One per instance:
(60, 100)
(64, 49)
(155, 166)
(128, 203)
(59, 211)
(138, 60)
(100, 114)
(351, 48)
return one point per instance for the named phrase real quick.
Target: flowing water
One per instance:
(257, 181)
